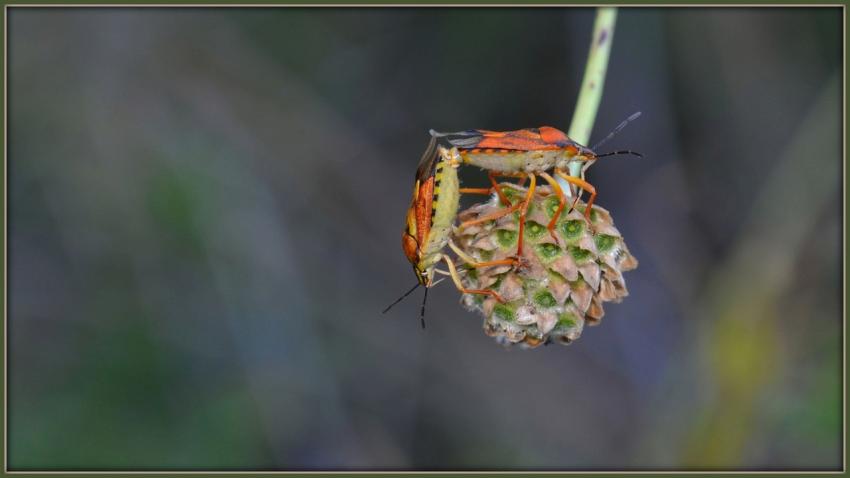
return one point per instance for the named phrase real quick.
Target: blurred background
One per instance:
(205, 216)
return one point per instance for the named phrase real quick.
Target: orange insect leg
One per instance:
(492, 175)
(584, 185)
(456, 279)
(492, 216)
(521, 175)
(562, 200)
(474, 190)
(472, 263)
(523, 205)
(528, 196)
(483, 292)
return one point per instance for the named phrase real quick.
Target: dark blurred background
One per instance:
(205, 217)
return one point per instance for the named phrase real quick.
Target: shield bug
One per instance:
(527, 153)
(430, 217)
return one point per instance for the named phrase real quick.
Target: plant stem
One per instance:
(594, 79)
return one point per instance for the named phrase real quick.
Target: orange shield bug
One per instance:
(526, 153)
(432, 211)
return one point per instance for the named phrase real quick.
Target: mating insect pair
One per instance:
(523, 154)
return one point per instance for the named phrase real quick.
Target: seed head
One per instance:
(562, 279)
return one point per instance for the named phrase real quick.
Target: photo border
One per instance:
(842, 5)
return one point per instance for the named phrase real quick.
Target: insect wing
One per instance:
(428, 162)
(528, 139)
(419, 213)
(422, 209)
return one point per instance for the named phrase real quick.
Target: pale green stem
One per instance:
(594, 79)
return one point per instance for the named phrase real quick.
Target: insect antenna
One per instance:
(617, 130)
(422, 312)
(625, 151)
(402, 298)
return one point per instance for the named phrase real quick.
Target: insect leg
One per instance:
(473, 263)
(456, 279)
(474, 190)
(584, 185)
(495, 186)
(502, 262)
(491, 216)
(492, 175)
(532, 183)
(521, 182)
(561, 202)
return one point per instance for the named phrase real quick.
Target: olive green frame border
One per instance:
(4, 471)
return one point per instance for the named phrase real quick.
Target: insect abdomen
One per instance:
(444, 208)
(506, 160)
